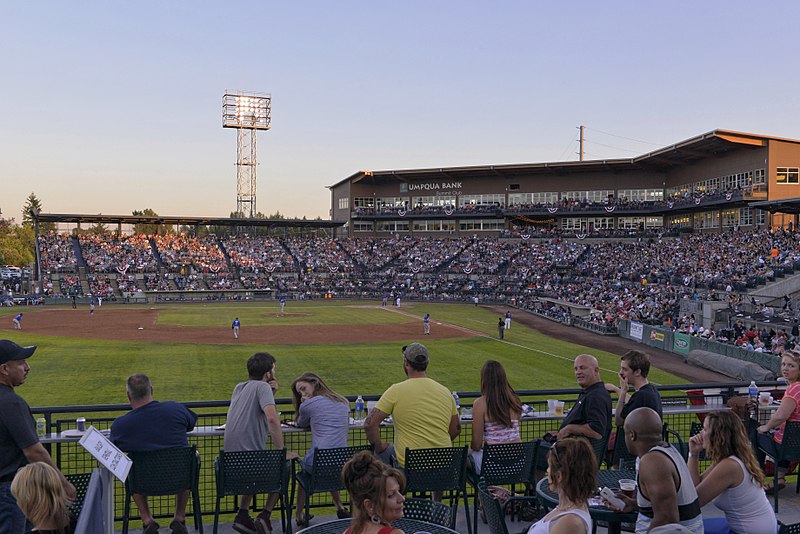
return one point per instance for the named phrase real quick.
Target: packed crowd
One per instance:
(109, 254)
(641, 279)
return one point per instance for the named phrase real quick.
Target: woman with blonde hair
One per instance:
(734, 481)
(789, 410)
(376, 493)
(40, 495)
(572, 473)
(328, 415)
(495, 414)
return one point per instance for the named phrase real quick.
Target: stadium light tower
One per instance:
(247, 113)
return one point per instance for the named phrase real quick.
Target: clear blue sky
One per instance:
(109, 107)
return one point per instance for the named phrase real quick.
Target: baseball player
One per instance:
(508, 320)
(283, 303)
(426, 324)
(235, 327)
(17, 322)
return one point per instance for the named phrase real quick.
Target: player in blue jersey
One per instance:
(17, 322)
(426, 324)
(235, 327)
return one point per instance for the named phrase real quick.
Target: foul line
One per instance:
(487, 336)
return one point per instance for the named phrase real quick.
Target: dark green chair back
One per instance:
(164, 472)
(428, 511)
(495, 517)
(251, 473)
(326, 472)
(439, 469)
(81, 483)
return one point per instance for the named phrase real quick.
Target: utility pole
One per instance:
(581, 153)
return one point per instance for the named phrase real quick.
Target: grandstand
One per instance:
(717, 180)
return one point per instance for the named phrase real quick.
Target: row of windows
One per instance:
(724, 183)
(431, 225)
(514, 199)
(702, 220)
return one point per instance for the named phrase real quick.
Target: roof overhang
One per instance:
(187, 221)
(785, 205)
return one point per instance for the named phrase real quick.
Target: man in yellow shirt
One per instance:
(424, 411)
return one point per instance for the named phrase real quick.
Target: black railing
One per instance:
(683, 400)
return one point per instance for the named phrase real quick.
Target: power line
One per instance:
(616, 147)
(627, 138)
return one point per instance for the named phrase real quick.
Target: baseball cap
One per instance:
(11, 351)
(416, 353)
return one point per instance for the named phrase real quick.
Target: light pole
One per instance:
(247, 113)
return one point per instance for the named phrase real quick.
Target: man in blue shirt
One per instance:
(152, 426)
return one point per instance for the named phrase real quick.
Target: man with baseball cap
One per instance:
(424, 411)
(19, 444)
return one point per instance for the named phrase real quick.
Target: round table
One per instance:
(409, 526)
(609, 478)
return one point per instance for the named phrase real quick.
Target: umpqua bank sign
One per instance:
(430, 186)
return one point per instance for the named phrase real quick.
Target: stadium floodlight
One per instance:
(250, 111)
(247, 113)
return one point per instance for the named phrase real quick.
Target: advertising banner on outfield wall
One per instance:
(636, 331)
(656, 338)
(681, 344)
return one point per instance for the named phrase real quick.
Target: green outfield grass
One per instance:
(69, 371)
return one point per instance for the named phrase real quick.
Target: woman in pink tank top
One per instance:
(495, 414)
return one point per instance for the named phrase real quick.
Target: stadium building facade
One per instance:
(718, 180)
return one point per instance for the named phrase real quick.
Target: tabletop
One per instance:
(409, 526)
(605, 478)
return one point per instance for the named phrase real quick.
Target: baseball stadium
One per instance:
(688, 253)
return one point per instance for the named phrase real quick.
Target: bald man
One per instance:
(591, 415)
(666, 492)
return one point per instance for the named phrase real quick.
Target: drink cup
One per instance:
(763, 397)
(551, 405)
(627, 487)
(80, 424)
(559, 408)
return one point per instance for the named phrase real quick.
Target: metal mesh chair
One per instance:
(438, 470)
(621, 452)
(164, 472)
(254, 472)
(495, 512)
(696, 429)
(428, 511)
(788, 450)
(788, 529)
(600, 447)
(81, 483)
(505, 464)
(326, 472)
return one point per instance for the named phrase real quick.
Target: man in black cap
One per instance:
(19, 443)
(423, 410)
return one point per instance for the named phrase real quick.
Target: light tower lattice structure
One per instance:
(247, 113)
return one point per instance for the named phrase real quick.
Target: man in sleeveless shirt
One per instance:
(666, 492)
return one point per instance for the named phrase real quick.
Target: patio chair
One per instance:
(789, 450)
(495, 512)
(254, 472)
(428, 511)
(437, 470)
(505, 464)
(326, 473)
(164, 472)
(81, 483)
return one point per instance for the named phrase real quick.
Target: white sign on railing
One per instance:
(106, 453)
(636, 330)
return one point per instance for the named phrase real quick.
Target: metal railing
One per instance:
(685, 399)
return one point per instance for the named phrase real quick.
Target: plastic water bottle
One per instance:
(458, 403)
(360, 415)
(752, 391)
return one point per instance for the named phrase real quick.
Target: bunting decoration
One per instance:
(610, 209)
(468, 270)
(401, 213)
(122, 269)
(580, 236)
(333, 268)
(448, 210)
(552, 210)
